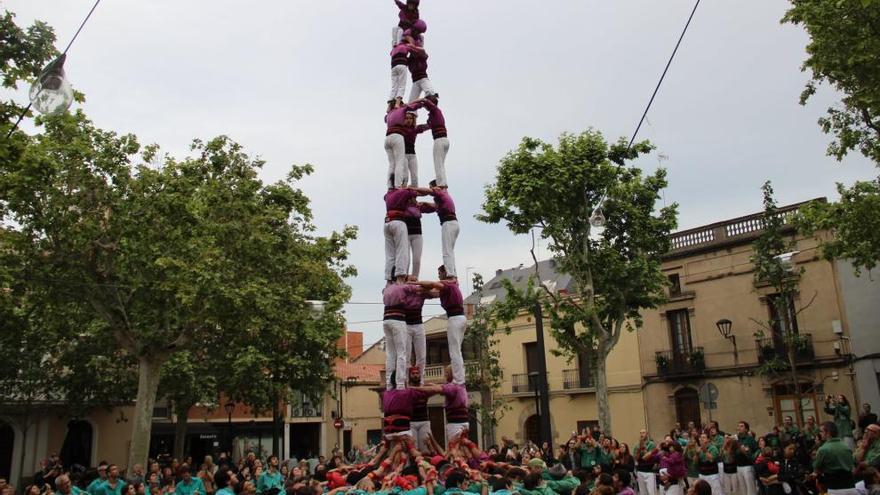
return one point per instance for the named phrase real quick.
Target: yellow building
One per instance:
(683, 350)
(570, 381)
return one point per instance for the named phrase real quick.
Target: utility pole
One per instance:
(542, 388)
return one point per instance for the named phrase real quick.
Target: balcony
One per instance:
(681, 363)
(523, 383)
(576, 380)
(436, 373)
(770, 349)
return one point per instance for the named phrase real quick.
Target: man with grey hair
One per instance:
(63, 486)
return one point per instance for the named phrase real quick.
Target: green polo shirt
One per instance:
(564, 486)
(751, 445)
(270, 480)
(833, 456)
(842, 419)
(73, 491)
(711, 449)
(106, 489)
(590, 456)
(195, 486)
(872, 456)
(811, 433)
(718, 441)
(94, 485)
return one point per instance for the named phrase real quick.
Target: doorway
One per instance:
(77, 447)
(305, 440)
(7, 443)
(687, 407)
(533, 429)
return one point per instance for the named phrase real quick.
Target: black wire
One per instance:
(663, 76)
(81, 26)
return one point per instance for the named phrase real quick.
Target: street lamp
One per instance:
(724, 328)
(229, 407)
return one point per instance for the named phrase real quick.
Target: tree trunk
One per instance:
(180, 425)
(602, 405)
(488, 420)
(791, 342)
(148, 386)
(25, 427)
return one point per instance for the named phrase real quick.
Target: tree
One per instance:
(617, 271)
(772, 268)
(480, 336)
(188, 378)
(843, 48)
(169, 257)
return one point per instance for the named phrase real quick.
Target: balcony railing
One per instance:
(523, 383)
(576, 379)
(435, 374)
(770, 349)
(673, 363)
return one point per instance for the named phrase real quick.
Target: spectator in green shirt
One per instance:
(63, 486)
(789, 431)
(188, 484)
(748, 451)
(839, 408)
(113, 485)
(271, 478)
(834, 463)
(102, 477)
(868, 453)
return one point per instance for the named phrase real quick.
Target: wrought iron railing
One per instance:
(770, 349)
(576, 379)
(684, 362)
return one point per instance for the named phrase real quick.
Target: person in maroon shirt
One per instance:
(400, 122)
(452, 302)
(399, 69)
(437, 125)
(409, 13)
(397, 248)
(449, 228)
(418, 62)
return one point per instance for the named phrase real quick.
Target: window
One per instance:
(674, 285)
(785, 402)
(586, 364)
(586, 424)
(530, 351)
(303, 406)
(680, 332)
(687, 407)
(781, 321)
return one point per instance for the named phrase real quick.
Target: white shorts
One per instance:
(453, 431)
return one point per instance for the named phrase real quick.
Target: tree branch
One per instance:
(812, 300)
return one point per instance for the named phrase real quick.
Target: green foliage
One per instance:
(617, 271)
(854, 222)
(843, 48)
(23, 54)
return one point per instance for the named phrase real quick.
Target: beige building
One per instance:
(683, 351)
(570, 381)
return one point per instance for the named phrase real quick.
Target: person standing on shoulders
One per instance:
(449, 228)
(437, 125)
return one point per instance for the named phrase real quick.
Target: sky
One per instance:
(300, 82)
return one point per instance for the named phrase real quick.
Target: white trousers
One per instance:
(415, 246)
(396, 150)
(415, 344)
(396, 248)
(844, 491)
(419, 87)
(714, 481)
(675, 489)
(453, 431)
(647, 483)
(421, 430)
(412, 166)
(441, 148)
(396, 35)
(747, 483)
(449, 234)
(730, 484)
(398, 82)
(455, 328)
(395, 353)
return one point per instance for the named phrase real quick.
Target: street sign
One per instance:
(709, 395)
(338, 423)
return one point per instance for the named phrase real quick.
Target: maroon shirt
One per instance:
(418, 65)
(445, 205)
(407, 17)
(396, 118)
(400, 55)
(436, 121)
(397, 201)
(451, 299)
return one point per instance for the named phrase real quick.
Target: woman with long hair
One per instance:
(840, 409)
(729, 476)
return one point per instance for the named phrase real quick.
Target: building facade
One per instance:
(693, 372)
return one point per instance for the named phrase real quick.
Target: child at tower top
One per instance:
(409, 14)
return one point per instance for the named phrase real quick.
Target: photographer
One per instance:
(839, 408)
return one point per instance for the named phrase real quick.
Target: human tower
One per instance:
(405, 398)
